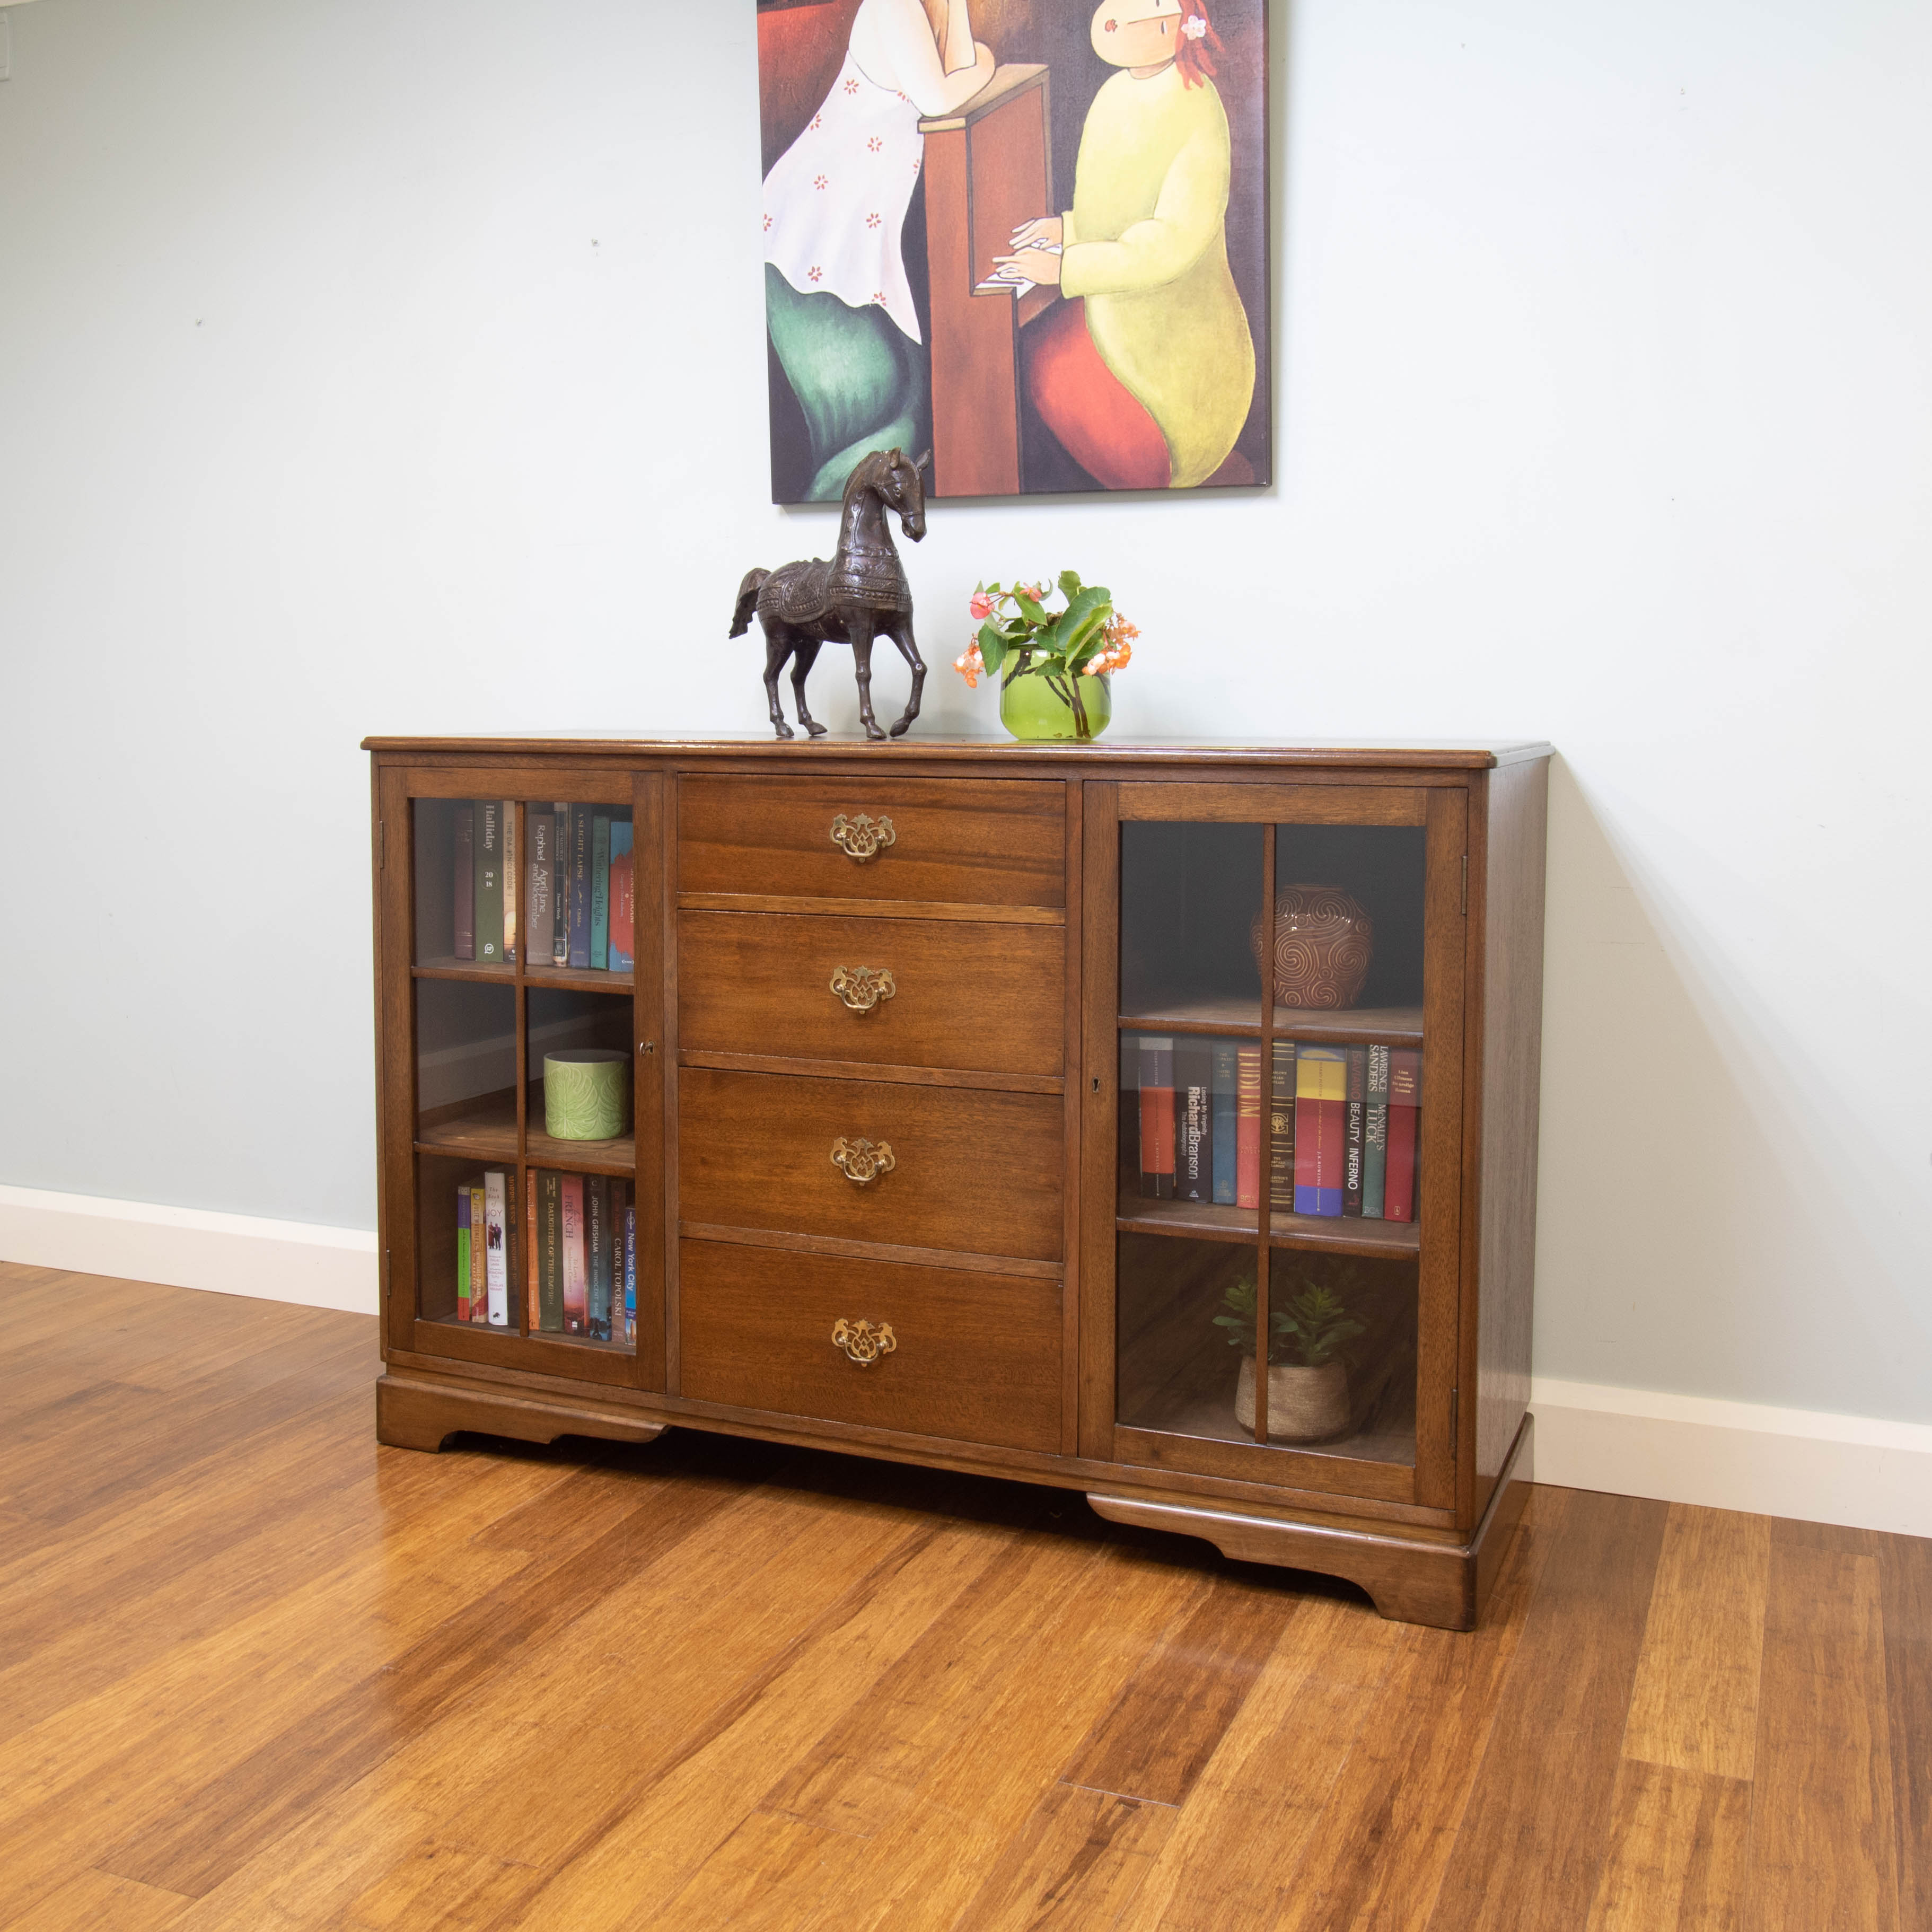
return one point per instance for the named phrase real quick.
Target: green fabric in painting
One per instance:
(861, 383)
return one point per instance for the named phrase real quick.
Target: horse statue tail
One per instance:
(747, 602)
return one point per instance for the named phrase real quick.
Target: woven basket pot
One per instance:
(1323, 943)
(1304, 1404)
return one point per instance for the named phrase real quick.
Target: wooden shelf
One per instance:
(618, 1156)
(463, 969)
(509, 1331)
(575, 979)
(1385, 1438)
(1396, 1026)
(485, 1128)
(1321, 1233)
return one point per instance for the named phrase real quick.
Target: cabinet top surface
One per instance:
(1384, 753)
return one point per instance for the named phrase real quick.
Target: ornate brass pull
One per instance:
(862, 988)
(863, 1343)
(860, 1161)
(861, 837)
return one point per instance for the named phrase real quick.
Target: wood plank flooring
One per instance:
(257, 1673)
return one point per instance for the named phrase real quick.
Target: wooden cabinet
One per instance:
(962, 1132)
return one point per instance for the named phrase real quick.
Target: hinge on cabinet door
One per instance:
(1466, 885)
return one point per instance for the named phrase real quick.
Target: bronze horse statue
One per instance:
(860, 595)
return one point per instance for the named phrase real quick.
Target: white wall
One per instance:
(355, 360)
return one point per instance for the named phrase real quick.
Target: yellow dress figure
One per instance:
(1147, 372)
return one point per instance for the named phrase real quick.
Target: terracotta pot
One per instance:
(1304, 1404)
(1323, 943)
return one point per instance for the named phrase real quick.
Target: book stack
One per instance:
(1341, 1126)
(582, 1274)
(482, 1254)
(575, 908)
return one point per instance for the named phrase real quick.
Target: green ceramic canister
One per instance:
(586, 1094)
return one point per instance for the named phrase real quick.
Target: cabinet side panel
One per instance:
(1511, 1065)
(395, 1055)
(1100, 909)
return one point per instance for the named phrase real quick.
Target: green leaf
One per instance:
(1069, 584)
(1083, 627)
(1034, 613)
(992, 646)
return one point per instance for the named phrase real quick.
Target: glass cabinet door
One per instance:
(1288, 1070)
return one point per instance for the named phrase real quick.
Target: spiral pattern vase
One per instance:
(1323, 943)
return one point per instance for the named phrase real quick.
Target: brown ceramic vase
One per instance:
(1323, 943)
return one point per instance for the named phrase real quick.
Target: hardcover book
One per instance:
(559, 886)
(1404, 1105)
(1247, 1126)
(465, 917)
(1157, 1117)
(496, 1256)
(462, 1254)
(630, 1273)
(1354, 1122)
(600, 890)
(1375, 1133)
(509, 810)
(1194, 1120)
(539, 934)
(489, 881)
(597, 1249)
(579, 885)
(1224, 1124)
(623, 948)
(1320, 1099)
(1281, 1130)
(479, 1291)
(576, 1267)
(532, 1264)
(550, 1235)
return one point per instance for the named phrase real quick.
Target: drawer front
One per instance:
(956, 841)
(972, 1172)
(975, 1358)
(964, 996)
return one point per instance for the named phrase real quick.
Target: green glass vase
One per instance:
(1036, 712)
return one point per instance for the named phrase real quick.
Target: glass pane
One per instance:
(581, 1282)
(1348, 907)
(1341, 1355)
(466, 1067)
(1190, 897)
(467, 1249)
(576, 895)
(1190, 1131)
(466, 895)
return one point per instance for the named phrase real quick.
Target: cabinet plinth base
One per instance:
(1443, 1584)
(422, 1415)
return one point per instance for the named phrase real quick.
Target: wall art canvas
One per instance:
(1029, 236)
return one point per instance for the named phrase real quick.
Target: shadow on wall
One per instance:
(1714, 1214)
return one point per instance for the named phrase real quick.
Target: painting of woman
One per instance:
(838, 304)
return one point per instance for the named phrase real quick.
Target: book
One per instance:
(1193, 1120)
(1247, 1126)
(1157, 1123)
(623, 940)
(510, 867)
(479, 1292)
(1224, 1122)
(464, 819)
(1353, 1126)
(490, 880)
(496, 1256)
(1375, 1133)
(1281, 1130)
(579, 856)
(462, 1254)
(1321, 1100)
(630, 1272)
(597, 1253)
(550, 1237)
(559, 886)
(536, 917)
(576, 1272)
(600, 890)
(1404, 1103)
(532, 1308)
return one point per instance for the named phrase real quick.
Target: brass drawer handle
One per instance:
(860, 1161)
(861, 837)
(864, 1343)
(862, 988)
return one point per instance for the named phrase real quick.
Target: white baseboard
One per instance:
(1850, 1469)
(191, 1247)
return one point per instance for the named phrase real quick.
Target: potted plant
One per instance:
(1308, 1372)
(1055, 667)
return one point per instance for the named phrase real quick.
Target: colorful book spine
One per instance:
(630, 1273)
(579, 885)
(1157, 1090)
(623, 918)
(479, 1290)
(1194, 1120)
(532, 1261)
(511, 864)
(1355, 1124)
(559, 886)
(576, 1269)
(550, 1236)
(539, 931)
(462, 1254)
(597, 1253)
(1320, 1104)
(600, 891)
(1247, 1126)
(1281, 1130)
(1375, 1135)
(1404, 1104)
(1224, 1125)
(496, 1257)
(490, 880)
(465, 853)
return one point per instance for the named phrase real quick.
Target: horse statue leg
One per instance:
(860, 623)
(780, 643)
(900, 631)
(803, 660)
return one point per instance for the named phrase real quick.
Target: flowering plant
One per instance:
(1018, 634)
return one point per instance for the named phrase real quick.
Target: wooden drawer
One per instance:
(966, 995)
(976, 1359)
(956, 841)
(974, 1173)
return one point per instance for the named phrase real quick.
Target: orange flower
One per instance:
(969, 664)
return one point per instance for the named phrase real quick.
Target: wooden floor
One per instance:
(256, 1672)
